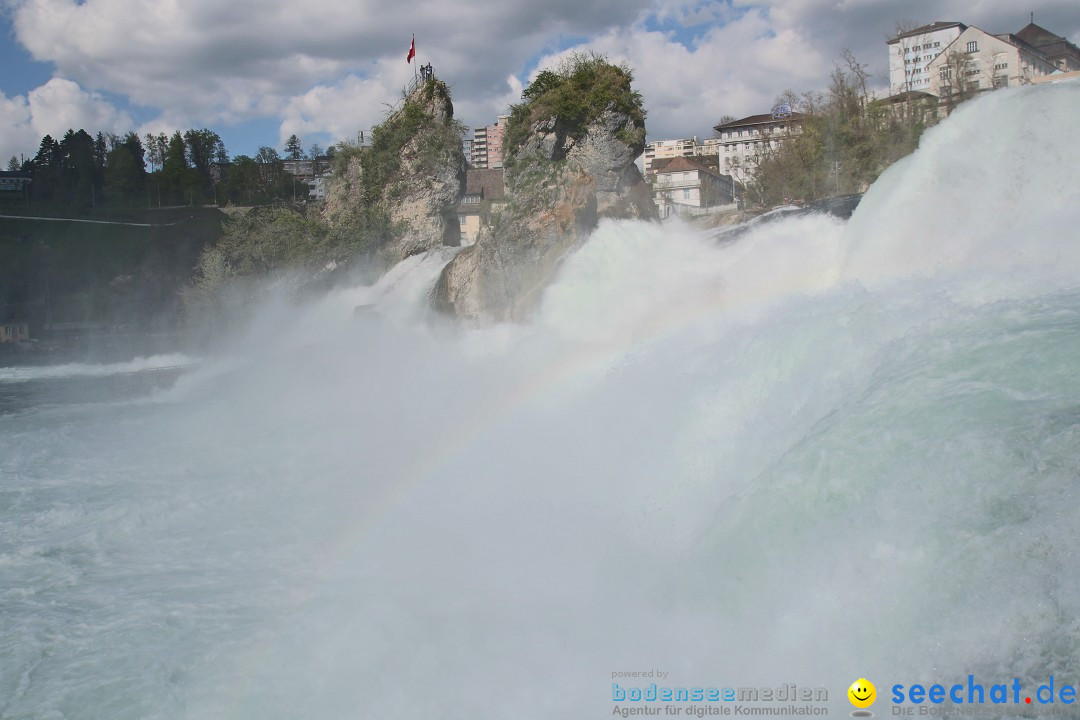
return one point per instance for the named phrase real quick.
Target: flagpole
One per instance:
(415, 71)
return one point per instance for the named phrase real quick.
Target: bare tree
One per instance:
(955, 77)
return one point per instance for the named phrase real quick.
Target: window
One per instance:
(937, 44)
(945, 73)
(917, 48)
(461, 219)
(685, 194)
(973, 46)
(1001, 66)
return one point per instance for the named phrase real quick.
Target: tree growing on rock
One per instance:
(569, 153)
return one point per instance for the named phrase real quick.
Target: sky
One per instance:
(258, 71)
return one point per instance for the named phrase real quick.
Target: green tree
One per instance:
(175, 178)
(242, 185)
(203, 146)
(79, 169)
(48, 170)
(293, 148)
(13, 164)
(576, 94)
(125, 173)
(154, 153)
(271, 172)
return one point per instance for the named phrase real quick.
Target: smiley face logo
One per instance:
(862, 693)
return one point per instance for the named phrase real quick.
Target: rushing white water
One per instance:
(827, 451)
(18, 374)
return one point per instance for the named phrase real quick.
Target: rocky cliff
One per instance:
(400, 194)
(570, 153)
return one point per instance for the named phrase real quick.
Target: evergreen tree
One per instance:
(174, 170)
(101, 152)
(79, 169)
(126, 171)
(48, 177)
(293, 148)
(13, 164)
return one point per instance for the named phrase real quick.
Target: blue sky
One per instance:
(257, 71)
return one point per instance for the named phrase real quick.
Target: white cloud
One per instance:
(224, 63)
(736, 69)
(17, 136)
(52, 109)
(331, 67)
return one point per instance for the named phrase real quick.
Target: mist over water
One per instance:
(826, 451)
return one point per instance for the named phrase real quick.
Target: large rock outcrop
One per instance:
(401, 193)
(565, 171)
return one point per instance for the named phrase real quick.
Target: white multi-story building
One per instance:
(660, 149)
(911, 53)
(977, 60)
(742, 142)
(690, 184)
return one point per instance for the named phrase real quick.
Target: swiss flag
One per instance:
(412, 50)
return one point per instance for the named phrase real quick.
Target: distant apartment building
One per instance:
(690, 185)
(911, 53)
(977, 60)
(742, 142)
(487, 145)
(313, 172)
(660, 149)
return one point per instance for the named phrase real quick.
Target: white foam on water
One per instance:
(826, 451)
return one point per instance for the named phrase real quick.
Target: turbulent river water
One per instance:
(826, 451)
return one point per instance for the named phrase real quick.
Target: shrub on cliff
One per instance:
(576, 94)
(260, 242)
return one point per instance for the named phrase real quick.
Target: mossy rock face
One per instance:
(387, 201)
(408, 182)
(570, 158)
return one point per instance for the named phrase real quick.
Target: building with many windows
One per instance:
(487, 145)
(664, 149)
(690, 185)
(977, 60)
(743, 141)
(911, 53)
